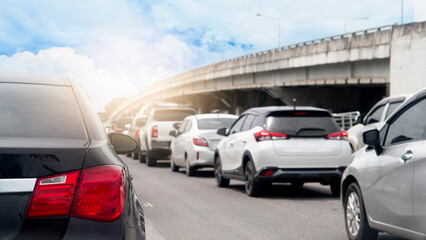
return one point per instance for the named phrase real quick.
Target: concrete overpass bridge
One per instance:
(341, 73)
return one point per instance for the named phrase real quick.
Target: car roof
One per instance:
(172, 108)
(396, 98)
(267, 110)
(215, 115)
(408, 101)
(34, 78)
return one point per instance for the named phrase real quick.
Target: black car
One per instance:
(60, 176)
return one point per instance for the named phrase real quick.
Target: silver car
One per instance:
(384, 189)
(196, 140)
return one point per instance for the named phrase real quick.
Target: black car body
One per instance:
(60, 177)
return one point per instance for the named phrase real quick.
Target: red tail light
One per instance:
(53, 195)
(265, 135)
(343, 135)
(100, 193)
(137, 134)
(267, 173)
(199, 141)
(154, 131)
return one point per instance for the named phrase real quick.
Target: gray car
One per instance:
(384, 189)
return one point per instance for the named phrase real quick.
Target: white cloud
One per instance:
(419, 10)
(100, 84)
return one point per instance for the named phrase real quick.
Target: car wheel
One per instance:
(190, 171)
(253, 188)
(173, 167)
(141, 157)
(220, 180)
(335, 188)
(136, 155)
(150, 160)
(129, 155)
(356, 223)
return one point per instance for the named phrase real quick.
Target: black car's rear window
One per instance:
(172, 114)
(301, 123)
(39, 111)
(215, 123)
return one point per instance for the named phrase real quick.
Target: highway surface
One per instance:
(181, 207)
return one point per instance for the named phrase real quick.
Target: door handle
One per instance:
(244, 142)
(231, 144)
(407, 155)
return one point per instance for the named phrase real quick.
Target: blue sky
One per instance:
(118, 47)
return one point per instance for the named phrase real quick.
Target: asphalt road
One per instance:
(181, 207)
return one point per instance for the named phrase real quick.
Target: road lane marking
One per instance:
(147, 204)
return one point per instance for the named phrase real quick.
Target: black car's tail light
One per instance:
(99, 194)
(265, 135)
(53, 195)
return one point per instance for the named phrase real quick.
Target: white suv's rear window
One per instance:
(172, 114)
(39, 111)
(301, 123)
(215, 123)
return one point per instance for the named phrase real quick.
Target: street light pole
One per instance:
(354, 19)
(279, 26)
(402, 12)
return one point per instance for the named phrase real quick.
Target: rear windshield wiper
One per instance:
(309, 129)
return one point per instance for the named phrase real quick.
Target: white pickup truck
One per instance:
(374, 119)
(155, 137)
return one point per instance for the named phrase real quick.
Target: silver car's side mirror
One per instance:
(372, 138)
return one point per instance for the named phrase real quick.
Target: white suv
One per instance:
(282, 144)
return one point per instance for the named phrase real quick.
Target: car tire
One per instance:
(129, 155)
(150, 159)
(253, 188)
(136, 155)
(335, 188)
(141, 157)
(220, 180)
(356, 222)
(173, 166)
(190, 171)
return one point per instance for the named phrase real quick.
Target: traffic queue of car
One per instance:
(61, 182)
(380, 184)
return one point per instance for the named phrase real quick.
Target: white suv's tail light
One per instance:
(99, 194)
(342, 135)
(265, 135)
